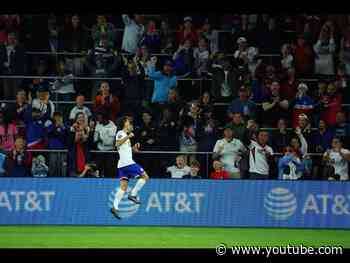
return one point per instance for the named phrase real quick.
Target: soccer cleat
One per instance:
(115, 213)
(134, 199)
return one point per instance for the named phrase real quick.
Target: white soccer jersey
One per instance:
(177, 172)
(340, 165)
(231, 153)
(258, 162)
(124, 150)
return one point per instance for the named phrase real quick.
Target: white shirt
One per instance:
(339, 163)
(177, 172)
(287, 62)
(231, 153)
(258, 162)
(105, 134)
(132, 34)
(124, 150)
(85, 110)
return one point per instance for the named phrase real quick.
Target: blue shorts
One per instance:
(130, 171)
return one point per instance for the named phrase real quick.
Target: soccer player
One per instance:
(126, 165)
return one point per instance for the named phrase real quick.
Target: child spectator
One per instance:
(303, 104)
(8, 131)
(195, 168)
(39, 167)
(80, 108)
(57, 134)
(180, 169)
(91, 170)
(19, 160)
(78, 145)
(219, 173)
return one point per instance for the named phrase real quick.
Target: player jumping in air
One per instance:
(126, 166)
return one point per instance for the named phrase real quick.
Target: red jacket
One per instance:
(111, 104)
(303, 60)
(180, 37)
(334, 106)
(219, 175)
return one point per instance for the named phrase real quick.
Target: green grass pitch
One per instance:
(164, 237)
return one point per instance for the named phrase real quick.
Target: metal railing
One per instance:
(159, 158)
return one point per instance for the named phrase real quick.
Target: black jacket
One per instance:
(17, 62)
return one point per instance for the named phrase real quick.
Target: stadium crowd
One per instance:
(285, 116)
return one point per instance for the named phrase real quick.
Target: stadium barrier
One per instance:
(169, 202)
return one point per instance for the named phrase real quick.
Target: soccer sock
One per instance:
(139, 184)
(118, 196)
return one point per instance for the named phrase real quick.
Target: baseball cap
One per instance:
(241, 40)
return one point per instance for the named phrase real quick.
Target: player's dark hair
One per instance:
(121, 122)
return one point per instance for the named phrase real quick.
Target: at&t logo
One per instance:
(127, 208)
(280, 203)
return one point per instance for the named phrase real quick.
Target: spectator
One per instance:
(175, 104)
(103, 29)
(166, 38)
(104, 136)
(40, 68)
(133, 33)
(187, 32)
(275, 106)
(91, 170)
(180, 169)
(345, 50)
(39, 167)
(281, 137)
(57, 133)
(3, 161)
(205, 102)
(230, 151)
(43, 103)
(63, 87)
(290, 85)
(75, 40)
(338, 158)
(237, 126)
(151, 38)
(188, 135)
(134, 84)
(184, 59)
(107, 102)
(290, 167)
(243, 105)
(207, 131)
(287, 60)
(164, 81)
(331, 105)
(304, 57)
(80, 108)
(246, 57)
(342, 129)
(142, 57)
(167, 131)
(78, 145)
(147, 132)
(219, 173)
(12, 62)
(302, 104)
(8, 131)
(195, 168)
(201, 58)
(225, 78)
(8, 23)
(321, 141)
(35, 128)
(211, 34)
(16, 111)
(104, 62)
(324, 49)
(259, 157)
(300, 145)
(19, 160)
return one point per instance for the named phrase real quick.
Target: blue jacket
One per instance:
(162, 84)
(57, 137)
(284, 166)
(35, 129)
(239, 106)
